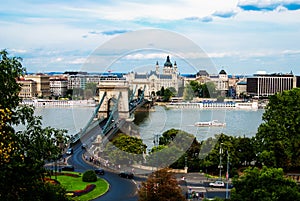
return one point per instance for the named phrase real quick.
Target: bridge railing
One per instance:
(78, 135)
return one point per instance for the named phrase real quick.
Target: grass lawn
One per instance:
(72, 183)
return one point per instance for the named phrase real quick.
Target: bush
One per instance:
(89, 176)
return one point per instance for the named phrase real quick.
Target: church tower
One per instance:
(175, 68)
(157, 68)
(168, 66)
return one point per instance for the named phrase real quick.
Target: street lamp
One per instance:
(220, 165)
(227, 175)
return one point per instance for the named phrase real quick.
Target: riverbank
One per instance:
(61, 103)
(212, 105)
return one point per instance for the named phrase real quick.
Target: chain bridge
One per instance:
(116, 107)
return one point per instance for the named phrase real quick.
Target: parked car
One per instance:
(83, 146)
(127, 175)
(68, 168)
(69, 151)
(99, 171)
(217, 184)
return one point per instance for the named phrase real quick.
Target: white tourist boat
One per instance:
(214, 123)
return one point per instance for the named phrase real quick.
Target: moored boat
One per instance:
(213, 123)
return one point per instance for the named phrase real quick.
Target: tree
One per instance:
(168, 93)
(23, 153)
(196, 86)
(173, 144)
(188, 93)
(10, 69)
(161, 186)
(125, 149)
(278, 137)
(209, 89)
(267, 184)
(90, 90)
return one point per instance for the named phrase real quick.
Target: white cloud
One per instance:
(78, 61)
(21, 51)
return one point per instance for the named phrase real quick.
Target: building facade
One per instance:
(42, 84)
(58, 86)
(153, 81)
(264, 85)
(28, 88)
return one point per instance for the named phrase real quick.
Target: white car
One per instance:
(217, 184)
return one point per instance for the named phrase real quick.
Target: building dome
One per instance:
(168, 62)
(222, 72)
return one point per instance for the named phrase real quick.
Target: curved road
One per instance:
(120, 189)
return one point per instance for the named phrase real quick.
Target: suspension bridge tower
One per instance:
(116, 100)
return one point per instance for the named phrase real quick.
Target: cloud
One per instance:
(18, 51)
(114, 32)
(94, 32)
(139, 56)
(200, 19)
(224, 14)
(78, 61)
(267, 5)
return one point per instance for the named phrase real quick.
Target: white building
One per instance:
(155, 80)
(58, 87)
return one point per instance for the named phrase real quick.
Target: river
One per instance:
(238, 122)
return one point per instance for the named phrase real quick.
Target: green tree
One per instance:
(23, 153)
(278, 137)
(196, 86)
(188, 93)
(125, 149)
(10, 69)
(172, 145)
(161, 186)
(90, 90)
(267, 184)
(210, 91)
(168, 93)
(168, 136)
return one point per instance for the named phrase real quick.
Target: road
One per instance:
(120, 189)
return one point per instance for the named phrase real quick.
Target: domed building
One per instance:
(155, 80)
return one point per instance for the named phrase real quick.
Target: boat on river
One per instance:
(213, 123)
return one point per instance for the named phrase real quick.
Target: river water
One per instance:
(238, 122)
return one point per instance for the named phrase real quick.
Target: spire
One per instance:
(168, 62)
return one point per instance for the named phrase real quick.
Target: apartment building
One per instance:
(28, 88)
(42, 84)
(264, 85)
(58, 86)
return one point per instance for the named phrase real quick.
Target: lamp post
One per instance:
(227, 175)
(220, 165)
(156, 144)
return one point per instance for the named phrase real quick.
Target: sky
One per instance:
(239, 36)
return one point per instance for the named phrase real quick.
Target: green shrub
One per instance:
(89, 176)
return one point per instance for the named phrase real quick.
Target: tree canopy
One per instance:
(24, 152)
(278, 138)
(125, 149)
(267, 184)
(161, 186)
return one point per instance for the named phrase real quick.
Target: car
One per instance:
(99, 171)
(83, 146)
(128, 175)
(69, 151)
(67, 168)
(217, 184)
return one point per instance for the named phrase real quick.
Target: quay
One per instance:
(214, 105)
(63, 103)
